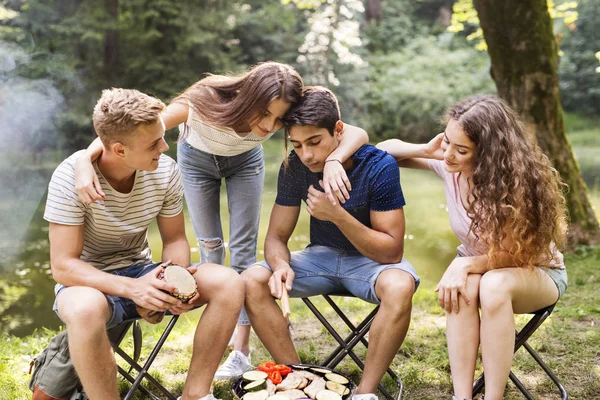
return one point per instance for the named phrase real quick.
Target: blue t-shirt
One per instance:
(375, 180)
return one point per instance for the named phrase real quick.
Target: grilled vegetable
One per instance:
(327, 395)
(252, 376)
(337, 387)
(256, 386)
(336, 378)
(260, 395)
(321, 370)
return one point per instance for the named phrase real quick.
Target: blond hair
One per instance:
(120, 111)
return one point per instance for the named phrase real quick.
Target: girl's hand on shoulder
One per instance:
(87, 184)
(433, 148)
(453, 284)
(335, 181)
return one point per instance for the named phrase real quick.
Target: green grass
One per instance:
(569, 341)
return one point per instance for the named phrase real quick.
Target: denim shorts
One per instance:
(559, 276)
(122, 308)
(327, 270)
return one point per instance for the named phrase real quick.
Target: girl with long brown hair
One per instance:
(223, 120)
(507, 209)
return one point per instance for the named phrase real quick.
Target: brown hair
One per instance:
(318, 107)
(230, 101)
(119, 112)
(514, 186)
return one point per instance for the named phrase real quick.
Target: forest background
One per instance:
(394, 65)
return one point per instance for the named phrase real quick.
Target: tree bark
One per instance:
(111, 42)
(524, 58)
(373, 10)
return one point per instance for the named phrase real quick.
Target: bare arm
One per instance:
(281, 225)
(335, 180)
(383, 242)
(86, 180)
(415, 156)
(176, 247)
(66, 245)
(175, 114)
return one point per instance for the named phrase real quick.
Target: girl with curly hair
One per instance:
(507, 209)
(223, 121)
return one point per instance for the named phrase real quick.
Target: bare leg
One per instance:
(266, 317)
(503, 292)
(222, 289)
(242, 339)
(86, 311)
(462, 334)
(395, 289)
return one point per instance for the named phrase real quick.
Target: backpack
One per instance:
(54, 376)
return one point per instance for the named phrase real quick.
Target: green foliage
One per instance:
(578, 79)
(410, 89)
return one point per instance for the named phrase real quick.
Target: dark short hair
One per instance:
(317, 107)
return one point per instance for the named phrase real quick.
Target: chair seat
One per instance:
(521, 341)
(346, 345)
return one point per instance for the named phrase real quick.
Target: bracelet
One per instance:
(334, 159)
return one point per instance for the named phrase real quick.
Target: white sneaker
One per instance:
(235, 365)
(367, 396)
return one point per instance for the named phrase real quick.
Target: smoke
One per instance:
(28, 108)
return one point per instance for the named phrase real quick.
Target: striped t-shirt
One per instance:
(115, 229)
(215, 140)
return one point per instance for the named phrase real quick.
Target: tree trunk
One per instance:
(524, 58)
(111, 43)
(373, 10)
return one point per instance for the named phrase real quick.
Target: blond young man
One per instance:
(100, 256)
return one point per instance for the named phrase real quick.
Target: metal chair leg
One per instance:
(346, 345)
(521, 338)
(142, 370)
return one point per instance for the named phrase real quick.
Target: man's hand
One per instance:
(320, 207)
(453, 284)
(335, 181)
(149, 292)
(191, 303)
(282, 274)
(87, 185)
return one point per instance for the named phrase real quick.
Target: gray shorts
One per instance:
(327, 270)
(559, 276)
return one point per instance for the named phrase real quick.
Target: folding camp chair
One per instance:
(346, 345)
(116, 336)
(521, 341)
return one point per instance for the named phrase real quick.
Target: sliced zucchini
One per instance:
(278, 397)
(347, 391)
(336, 387)
(321, 370)
(298, 366)
(336, 378)
(260, 395)
(251, 376)
(327, 395)
(255, 386)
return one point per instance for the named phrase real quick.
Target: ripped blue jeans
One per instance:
(244, 174)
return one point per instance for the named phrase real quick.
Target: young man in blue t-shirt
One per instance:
(355, 247)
